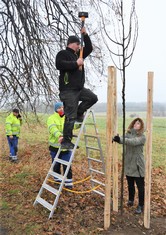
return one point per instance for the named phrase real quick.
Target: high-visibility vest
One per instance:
(55, 125)
(12, 125)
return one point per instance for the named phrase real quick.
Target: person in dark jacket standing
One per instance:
(71, 85)
(134, 165)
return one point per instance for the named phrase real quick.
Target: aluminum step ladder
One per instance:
(55, 190)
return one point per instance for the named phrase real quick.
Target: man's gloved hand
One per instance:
(116, 139)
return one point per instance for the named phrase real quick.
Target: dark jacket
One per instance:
(70, 75)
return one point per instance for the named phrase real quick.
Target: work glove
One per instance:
(116, 139)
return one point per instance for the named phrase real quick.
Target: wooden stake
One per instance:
(115, 146)
(109, 145)
(148, 154)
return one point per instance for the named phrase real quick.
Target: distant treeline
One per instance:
(159, 109)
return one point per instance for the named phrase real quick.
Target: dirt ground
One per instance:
(76, 214)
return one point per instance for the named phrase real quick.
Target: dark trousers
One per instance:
(64, 155)
(13, 145)
(131, 188)
(75, 104)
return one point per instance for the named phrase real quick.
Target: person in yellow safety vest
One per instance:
(12, 126)
(55, 125)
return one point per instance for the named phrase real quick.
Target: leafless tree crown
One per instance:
(33, 31)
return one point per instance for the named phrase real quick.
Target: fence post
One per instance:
(115, 147)
(109, 145)
(148, 154)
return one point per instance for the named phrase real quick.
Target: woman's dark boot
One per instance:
(139, 209)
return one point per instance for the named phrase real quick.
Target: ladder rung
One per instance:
(96, 191)
(89, 147)
(94, 159)
(75, 136)
(51, 189)
(87, 135)
(54, 174)
(62, 161)
(97, 182)
(89, 123)
(99, 172)
(44, 203)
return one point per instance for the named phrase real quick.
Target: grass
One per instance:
(14, 191)
(4, 205)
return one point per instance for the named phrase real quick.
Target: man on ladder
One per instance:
(71, 83)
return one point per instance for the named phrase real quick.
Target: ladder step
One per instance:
(93, 136)
(99, 172)
(98, 192)
(62, 161)
(97, 182)
(56, 175)
(44, 203)
(89, 147)
(50, 189)
(90, 124)
(94, 159)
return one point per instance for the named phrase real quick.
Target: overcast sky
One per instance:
(149, 55)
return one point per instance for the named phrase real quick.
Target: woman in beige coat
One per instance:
(134, 166)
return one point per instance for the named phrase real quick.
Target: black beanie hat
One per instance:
(73, 39)
(15, 111)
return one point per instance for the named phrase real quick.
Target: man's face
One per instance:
(15, 114)
(60, 111)
(75, 46)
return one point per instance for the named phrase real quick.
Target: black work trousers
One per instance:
(131, 188)
(75, 102)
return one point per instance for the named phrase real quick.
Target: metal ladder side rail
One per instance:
(94, 181)
(98, 141)
(90, 160)
(39, 199)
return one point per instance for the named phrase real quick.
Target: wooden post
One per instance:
(148, 155)
(109, 146)
(115, 146)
